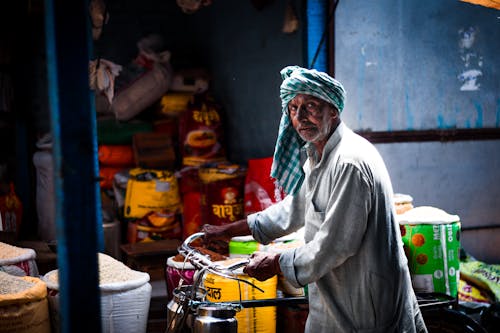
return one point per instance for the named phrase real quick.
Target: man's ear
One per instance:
(336, 113)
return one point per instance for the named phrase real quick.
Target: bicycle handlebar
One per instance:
(203, 262)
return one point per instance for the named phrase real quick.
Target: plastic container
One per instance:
(243, 246)
(283, 284)
(254, 320)
(402, 203)
(112, 236)
(431, 239)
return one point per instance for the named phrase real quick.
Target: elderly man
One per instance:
(339, 190)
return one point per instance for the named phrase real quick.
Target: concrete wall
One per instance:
(462, 178)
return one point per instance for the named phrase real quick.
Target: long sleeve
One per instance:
(336, 233)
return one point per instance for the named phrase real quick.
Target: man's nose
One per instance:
(302, 112)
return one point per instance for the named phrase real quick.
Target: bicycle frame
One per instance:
(431, 304)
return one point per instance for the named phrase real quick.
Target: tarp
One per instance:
(487, 3)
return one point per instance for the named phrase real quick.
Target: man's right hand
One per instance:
(215, 232)
(225, 232)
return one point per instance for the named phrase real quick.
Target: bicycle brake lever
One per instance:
(237, 265)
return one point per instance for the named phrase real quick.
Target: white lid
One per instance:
(243, 239)
(426, 215)
(402, 198)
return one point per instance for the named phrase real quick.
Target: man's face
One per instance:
(312, 117)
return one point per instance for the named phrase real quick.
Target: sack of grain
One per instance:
(17, 260)
(142, 92)
(23, 304)
(125, 296)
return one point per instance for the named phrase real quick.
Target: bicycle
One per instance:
(189, 311)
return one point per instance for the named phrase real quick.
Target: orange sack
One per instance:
(116, 155)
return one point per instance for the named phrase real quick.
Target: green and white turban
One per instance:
(286, 168)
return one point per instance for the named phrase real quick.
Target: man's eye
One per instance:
(312, 106)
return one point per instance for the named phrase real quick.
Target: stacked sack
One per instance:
(125, 296)
(479, 281)
(152, 205)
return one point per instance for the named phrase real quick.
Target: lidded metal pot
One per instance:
(179, 314)
(215, 318)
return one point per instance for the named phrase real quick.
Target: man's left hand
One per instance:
(263, 265)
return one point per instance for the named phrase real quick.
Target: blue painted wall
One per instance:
(403, 65)
(419, 64)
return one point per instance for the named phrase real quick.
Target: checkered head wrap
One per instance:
(287, 168)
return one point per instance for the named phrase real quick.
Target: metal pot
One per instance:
(215, 318)
(179, 315)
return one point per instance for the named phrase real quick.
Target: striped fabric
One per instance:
(286, 168)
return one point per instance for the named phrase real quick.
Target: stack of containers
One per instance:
(125, 297)
(112, 158)
(431, 239)
(115, 151)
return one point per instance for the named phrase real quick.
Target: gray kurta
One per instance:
(353, 260)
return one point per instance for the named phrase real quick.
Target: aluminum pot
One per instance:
(179, 315)
(215, 318)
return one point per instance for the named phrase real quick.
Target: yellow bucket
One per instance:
(250, 320)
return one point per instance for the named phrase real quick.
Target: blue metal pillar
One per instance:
(79, 228)
(317, 49)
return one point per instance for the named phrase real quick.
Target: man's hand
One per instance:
(215, 232)
(263, 265)
(226, 231)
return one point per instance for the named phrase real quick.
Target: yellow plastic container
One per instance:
(250, 320)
